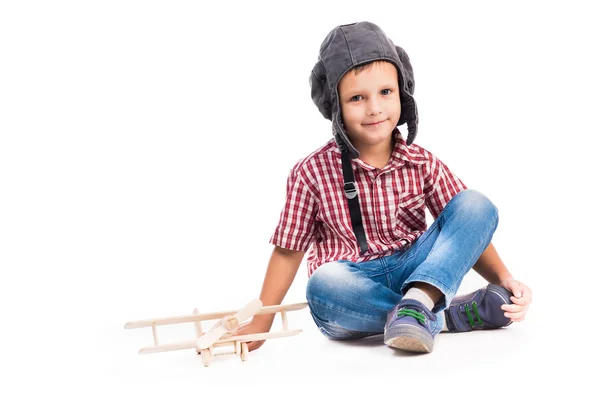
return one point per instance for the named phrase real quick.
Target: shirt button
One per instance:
(383, 217)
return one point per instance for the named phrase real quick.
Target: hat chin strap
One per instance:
(350, 189)
(351, 192)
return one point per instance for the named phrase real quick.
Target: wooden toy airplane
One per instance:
(222, 333)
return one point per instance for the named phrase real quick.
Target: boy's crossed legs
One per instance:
(353, 300)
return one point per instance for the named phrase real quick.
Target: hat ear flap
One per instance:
(412, 131)
(407, 76)
(319, 89)
(409, 113)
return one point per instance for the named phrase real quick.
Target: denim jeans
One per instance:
(350, 300)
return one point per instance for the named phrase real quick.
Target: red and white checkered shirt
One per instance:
(392, 203)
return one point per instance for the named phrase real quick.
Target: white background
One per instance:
(144, 152)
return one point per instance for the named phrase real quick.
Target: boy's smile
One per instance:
(370, 104)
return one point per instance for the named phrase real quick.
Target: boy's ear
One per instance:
(320, 90)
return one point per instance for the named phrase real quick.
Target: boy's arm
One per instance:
(492, 269)
(490, 266)
(281, 271)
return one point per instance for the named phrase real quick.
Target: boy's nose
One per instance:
(373, 107)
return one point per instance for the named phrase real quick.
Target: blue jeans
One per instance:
(350, 300)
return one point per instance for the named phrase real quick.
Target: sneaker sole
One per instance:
(409, 339)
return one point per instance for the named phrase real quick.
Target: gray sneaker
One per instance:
(479, 310)
(410, 327)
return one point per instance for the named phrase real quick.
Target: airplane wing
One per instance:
(178, 319)
(191, 344)
(208, 316)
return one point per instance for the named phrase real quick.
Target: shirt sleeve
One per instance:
(295, 230)
(441, 186)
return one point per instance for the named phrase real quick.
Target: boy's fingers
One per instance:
(511, 307)
(528, 294)
(514, 315)
(513, 288)
(519, 300)
(254, 345)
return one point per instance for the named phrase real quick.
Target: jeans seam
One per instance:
(342, 312)
(428, 232)
(325, 330)
(388, 280)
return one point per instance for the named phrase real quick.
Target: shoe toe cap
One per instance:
(495, 297)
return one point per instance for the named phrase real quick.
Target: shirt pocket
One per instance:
(411, 201)
(410, 215)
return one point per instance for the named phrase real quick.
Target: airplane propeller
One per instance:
(228, 324)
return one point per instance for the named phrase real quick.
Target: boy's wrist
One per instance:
(504, 277)
(265, 320)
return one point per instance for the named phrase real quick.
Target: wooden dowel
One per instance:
(197, 324)
(284, 321)
(155, 334)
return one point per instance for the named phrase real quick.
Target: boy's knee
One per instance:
(475, 203)
(324, 280)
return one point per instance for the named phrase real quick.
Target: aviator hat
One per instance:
(345, 47)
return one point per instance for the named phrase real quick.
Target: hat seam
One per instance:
(370, 25)
(349, 48)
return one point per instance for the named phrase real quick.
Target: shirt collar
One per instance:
(401, 154)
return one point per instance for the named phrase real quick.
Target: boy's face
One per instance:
(370, 97)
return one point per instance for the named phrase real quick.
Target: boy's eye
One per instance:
(355, 98)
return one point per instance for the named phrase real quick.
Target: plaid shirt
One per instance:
(392, 203)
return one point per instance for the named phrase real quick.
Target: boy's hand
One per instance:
(522, 298)
(255, 325)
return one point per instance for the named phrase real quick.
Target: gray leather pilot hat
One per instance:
(346, 47)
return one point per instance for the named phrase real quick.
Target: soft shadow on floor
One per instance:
(376, 341)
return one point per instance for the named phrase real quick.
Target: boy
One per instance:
(360, 202)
